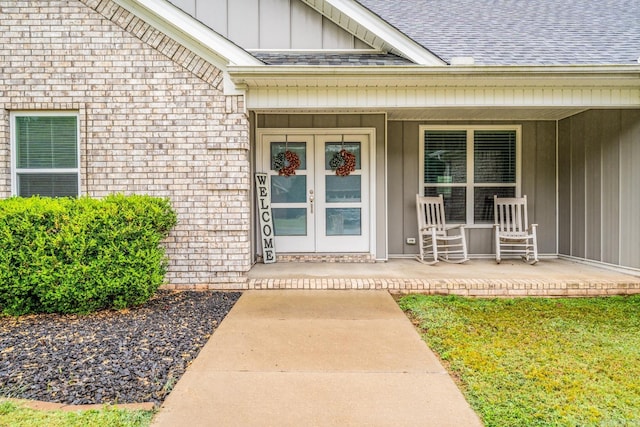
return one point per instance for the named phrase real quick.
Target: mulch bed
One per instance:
(129, 356)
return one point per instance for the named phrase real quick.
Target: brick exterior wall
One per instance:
(153, 120)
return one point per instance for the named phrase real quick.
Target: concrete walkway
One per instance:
(316, 358)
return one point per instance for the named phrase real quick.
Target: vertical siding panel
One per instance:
(244, 23)
(395, 188)
(480, 241)
(593, 185)
(275, 24)
(378, 121)
(629, 194)
(359, 44)
(349, 120)
(544, 212)
(409, 171)
(213, 13)
(611, 187)
(300, 121)
(275, 121)
(564, 187)
(334, 37)
(306, 27)
(325, 121)
(529, 142)
(577, 186)
(188, 6)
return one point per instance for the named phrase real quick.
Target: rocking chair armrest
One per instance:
(453, 227)
(532, 227)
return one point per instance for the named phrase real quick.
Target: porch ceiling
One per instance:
(468, 114)
(446, 114)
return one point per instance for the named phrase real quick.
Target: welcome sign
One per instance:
(266, 220)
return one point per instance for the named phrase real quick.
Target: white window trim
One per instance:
(470, 156)
(14, 161)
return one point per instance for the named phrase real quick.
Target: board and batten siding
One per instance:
(270, 24)
(599, 181)
(538, 183)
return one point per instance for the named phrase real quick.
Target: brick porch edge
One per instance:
(469, 287)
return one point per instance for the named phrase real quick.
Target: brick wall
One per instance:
(153, 120)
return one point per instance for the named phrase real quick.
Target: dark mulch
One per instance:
(129, 356)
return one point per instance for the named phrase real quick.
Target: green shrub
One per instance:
(80, 255)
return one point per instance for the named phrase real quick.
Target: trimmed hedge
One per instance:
(80, 255)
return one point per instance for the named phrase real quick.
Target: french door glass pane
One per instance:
(332, 148)
(455, 202)
(48, 184)
(343, 189)
(483, 202)
(300, 148)
(495, 157)
(344, 222)
(290, 221)
(445, 156)
(288, 189)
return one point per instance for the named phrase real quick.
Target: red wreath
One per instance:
(292, 162)
(348, 163)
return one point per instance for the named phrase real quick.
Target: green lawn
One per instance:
(14, 415)
(539, 362)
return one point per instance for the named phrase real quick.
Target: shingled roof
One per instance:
(520, 32)
(329, 58)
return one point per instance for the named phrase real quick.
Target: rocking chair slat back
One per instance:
(431, 212)
(513, 235)
(436, 242)
(511, 214)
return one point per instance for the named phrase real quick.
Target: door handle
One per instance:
(311, 200)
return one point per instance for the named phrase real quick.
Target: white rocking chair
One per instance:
(435, 242)
(513, 235)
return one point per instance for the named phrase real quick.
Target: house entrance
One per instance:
(315, 207)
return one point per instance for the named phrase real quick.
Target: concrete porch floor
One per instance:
(477, 277)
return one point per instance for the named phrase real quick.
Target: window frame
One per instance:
(470, 184)
(14, 148)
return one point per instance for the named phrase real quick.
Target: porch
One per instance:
(477, 277)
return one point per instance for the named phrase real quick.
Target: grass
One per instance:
(15, 415)
(539, 362)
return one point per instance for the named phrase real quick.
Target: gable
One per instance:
(271, 24)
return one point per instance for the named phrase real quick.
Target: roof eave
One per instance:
(410, 76)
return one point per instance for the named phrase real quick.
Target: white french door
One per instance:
(315, 209)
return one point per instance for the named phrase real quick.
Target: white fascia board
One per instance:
(386, 32)
(190, 32)
(413, 76)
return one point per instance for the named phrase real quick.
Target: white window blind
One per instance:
(445, 170)
(494, 157)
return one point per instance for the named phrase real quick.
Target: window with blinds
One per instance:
(445, 170)
(46, 154)
(468, 165)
